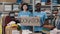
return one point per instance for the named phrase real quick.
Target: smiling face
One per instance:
(38, 6)
(55, 12)
(25, 7)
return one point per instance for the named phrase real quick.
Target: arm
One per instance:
(46, 16)
(19, 15)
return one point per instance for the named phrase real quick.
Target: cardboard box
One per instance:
(8, 7)
(8, 1)
(37, 1)
(12, 31)
(26, 1)
(1, 7)
(0, 25)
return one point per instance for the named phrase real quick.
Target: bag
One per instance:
(49, 26)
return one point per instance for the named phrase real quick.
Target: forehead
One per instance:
(24, 5)
(55, 11)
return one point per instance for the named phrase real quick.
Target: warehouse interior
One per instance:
(29, 16)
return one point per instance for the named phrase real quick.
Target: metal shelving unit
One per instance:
(11, 3)
(50, 6)
(6, 3)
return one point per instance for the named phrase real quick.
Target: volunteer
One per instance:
(10, 17)
(24, 13)
(56, 16)
(41, 14)
(7, 19)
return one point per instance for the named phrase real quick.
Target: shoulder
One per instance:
(43, 12)
(34, 12)
(28, 12)
(21, 12)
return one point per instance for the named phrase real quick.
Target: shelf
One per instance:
(30, 4)
(45, 5)
(5, 12)
(58, 5)
(7, 3)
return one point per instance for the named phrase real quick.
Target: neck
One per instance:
(38, 9)
(25, 10)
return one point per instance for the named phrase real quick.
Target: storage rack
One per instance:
(6, 12)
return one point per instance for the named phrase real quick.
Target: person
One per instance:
(7, 19)
(24, 13)
(55, 14)
(10, 17)
(42, 15)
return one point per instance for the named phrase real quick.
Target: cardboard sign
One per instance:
(30, 21)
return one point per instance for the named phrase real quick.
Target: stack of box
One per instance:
(1, 7)
(12, 31)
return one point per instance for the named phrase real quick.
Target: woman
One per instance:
(10, 17)
(42, 16)
(7, 19)
(24, 13)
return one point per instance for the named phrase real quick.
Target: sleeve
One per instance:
(18, 14)
(46, 16)
(34, 14)
(30, 14)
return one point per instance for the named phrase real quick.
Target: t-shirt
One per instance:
(24, 14)
(42, 16)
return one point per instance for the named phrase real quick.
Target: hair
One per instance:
(11, 13)
(23, 5)
(55, 10)
(12, 17)
(38, 5)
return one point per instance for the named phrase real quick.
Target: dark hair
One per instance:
(38, 7)
(55, 10)
(38, 4)
(11, 13)
(12, 17)
(23, 5)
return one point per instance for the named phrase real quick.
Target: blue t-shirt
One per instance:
(42, 16)
(24, 14)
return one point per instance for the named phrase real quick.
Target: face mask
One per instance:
(11, 14)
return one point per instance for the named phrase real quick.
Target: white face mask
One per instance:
(11, 14)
